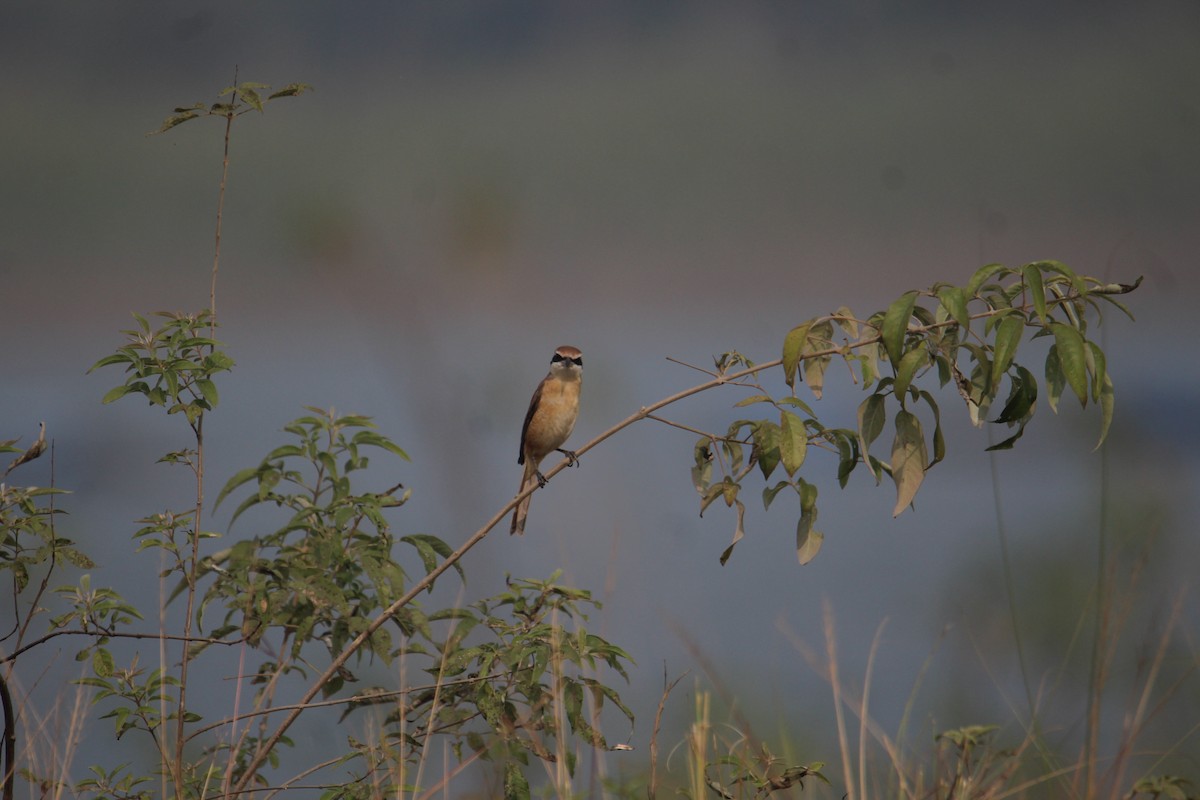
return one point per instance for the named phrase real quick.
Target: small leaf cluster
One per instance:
(328, 569)
(237, 100)
(506, 674)
(968, 336)
(748, 772)
(967, 764)
(1165, 786)
(139, 695)
(27, 537)
(172, 366)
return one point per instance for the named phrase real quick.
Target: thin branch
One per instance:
(424, 583)
(652, 789)
(115, 635)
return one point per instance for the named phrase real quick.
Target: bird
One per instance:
(548, 422)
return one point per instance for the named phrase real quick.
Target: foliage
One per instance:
(968, 336)
(515, 679)
(241, 98)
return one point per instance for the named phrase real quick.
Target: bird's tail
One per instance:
(522, 510)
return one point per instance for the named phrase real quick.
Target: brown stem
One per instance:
(261, 755)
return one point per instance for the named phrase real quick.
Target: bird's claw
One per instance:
(572, 459)
(541, 480)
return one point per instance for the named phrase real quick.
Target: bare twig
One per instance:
(652, 789)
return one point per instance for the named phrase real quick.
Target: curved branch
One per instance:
(268, 746)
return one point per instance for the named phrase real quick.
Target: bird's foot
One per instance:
(572, 459)
(541, 480)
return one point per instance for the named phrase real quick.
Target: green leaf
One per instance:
(208, 390)
(173, 120)
(939, 440)
(912, 361)
(871, 419)
(908, 460)
(895, 326)
(515, 785)
(749, 401)
(242, 476)
(703, 467)
(1008, 337)
(291, 90)
(1070, 345)
(1062, 269)
(767, 440)
(820, 337)
(738, 533)
(808, 540)
(769, 493)
(115, 358)
(115, 393)
(1106, 409)
(1097, 366)
(102, 663)
(793, 346)
(1055, 380)
(981, 277)
(1036, 289)
(954, 300)
(793, 442)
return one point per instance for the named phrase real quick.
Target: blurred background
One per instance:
(474, 183)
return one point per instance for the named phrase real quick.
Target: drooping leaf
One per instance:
(738, 533)
(703, 466)
(793, 441)
(767, 439)
(871, 419)
(793, 346)
(1055, 380)
(808, 539)
(1008, 337)
(939, 440)
(913, 360)
(1070, 345)
(769, 493)
(1106, 408)
(908, 460)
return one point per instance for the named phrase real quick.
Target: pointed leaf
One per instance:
(237, 480)
(1106, 409)
(895, 326)
(738, 533)
(912, 361)
(793, 441)
(767, 439)
(808, 540)
(793, 346)
(1036, 289)
(954, 300)
(908, 460)
(1055, 380)
(871, 419)
(981, 276)
(1070, 345)
(208, 390)
(1008, 337)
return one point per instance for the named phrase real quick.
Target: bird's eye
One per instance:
(578, 361)
(557, 358)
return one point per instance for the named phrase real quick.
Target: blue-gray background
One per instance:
(472, 184)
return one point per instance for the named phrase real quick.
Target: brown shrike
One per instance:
(548, 422)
